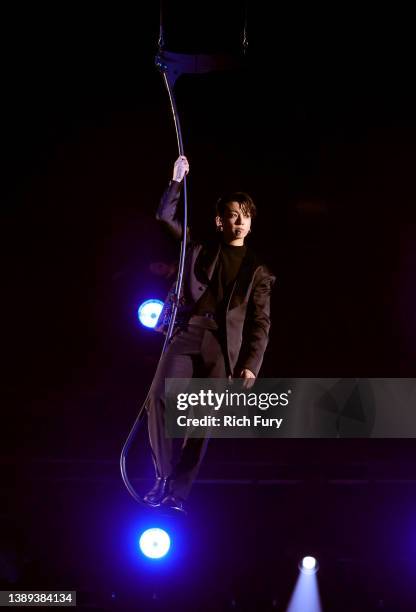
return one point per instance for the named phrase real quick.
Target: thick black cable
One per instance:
(178, 286)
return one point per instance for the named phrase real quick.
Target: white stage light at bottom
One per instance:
(308, 565)
(154, 543)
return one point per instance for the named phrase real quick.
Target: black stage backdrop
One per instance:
(317, 123)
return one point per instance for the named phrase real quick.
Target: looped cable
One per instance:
(178, 286)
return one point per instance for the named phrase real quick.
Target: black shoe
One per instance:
(173, 503)
(157, 493)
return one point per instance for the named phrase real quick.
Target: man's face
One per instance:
(235, 223)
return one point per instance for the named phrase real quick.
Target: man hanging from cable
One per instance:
(221, 329)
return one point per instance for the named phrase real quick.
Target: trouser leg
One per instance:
(212, 365)
(175, 363)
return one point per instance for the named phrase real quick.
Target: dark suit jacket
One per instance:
(248, 306)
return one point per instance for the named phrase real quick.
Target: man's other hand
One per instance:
(249, 378)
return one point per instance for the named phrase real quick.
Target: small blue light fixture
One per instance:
(149, 312)
(154, 543)
(309, 565)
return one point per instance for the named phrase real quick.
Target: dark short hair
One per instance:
(246, 203)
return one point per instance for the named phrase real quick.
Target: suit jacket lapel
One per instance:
(206, 262)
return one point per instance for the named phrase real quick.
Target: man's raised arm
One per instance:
(167, 210)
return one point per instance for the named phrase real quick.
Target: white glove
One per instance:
(180, 168)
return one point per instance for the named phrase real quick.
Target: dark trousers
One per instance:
(193, 352)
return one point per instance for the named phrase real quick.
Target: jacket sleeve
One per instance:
(257, 323)
(167, 210)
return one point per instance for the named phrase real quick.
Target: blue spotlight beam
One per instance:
(305, 596)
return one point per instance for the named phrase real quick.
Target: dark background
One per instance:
(318, 124)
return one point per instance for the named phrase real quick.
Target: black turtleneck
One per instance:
(228, 264)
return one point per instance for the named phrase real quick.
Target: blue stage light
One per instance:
(149, 312)
(154, 543)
